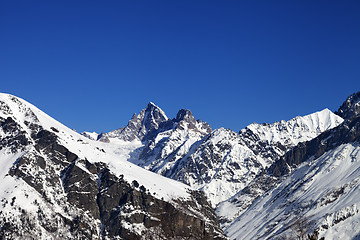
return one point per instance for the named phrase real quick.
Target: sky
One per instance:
(92, 64)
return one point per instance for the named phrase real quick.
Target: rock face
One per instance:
(56, 184)
(140, 125)
(351, 107)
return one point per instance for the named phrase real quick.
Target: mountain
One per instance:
(219, 162)
(58, 184)
(139, 126)
(176, 178)
(314, 187)
(171, 142)
(351, 107)
(224, 162)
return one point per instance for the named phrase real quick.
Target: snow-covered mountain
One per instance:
(219, 162)
(269, 181)
(313, 187)
(171, 142)
(139, 126)
(58, 184)
(224, 162)
(322, 193)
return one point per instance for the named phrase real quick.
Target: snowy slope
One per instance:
(261, 179)
(58, 184)
(299, 129)
(324, 191)
(314, 186)
(91, 135)
(224, 162)
(94, 151)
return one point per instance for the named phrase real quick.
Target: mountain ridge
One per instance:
(59, 184)
(278, 190)
(263, 166)
(183, 149)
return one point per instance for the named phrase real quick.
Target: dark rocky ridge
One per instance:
(351, 107)
(15, 138)
(93, 192)
(115, 202)
(90, 201)
(346, 133)
(186, 116)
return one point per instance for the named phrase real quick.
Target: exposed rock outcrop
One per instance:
(51, 192)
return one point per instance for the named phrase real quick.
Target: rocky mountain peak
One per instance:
(140, 125)
(150, 107)
(134, 116)
(351, 107)
(186, 120)
(186, 115)
(151, 117)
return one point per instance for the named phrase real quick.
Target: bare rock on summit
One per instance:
(351, 107)
(139, 125)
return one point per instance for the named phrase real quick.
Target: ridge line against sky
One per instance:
(91, 64)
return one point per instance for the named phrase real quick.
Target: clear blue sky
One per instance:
(92, 64)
